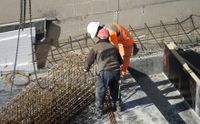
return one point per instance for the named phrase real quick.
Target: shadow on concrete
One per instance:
(168, 90)
(164, 82)
(43, 48)
(137, 102)
(131, 93)
(149, 87)
(127, 85)
(174, 97)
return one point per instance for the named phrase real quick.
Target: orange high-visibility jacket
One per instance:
(123, 40)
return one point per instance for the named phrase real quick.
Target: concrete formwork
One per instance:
(182, 73)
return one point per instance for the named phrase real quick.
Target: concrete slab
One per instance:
(158, 102)
(137, 105)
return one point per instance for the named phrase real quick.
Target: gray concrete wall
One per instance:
(149, 65)
(74, 15)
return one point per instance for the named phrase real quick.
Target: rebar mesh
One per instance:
(150, 39)
(67, 90)
(182, 32)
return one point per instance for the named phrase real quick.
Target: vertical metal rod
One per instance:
(21, 12)
(70, 40)
(59, 52)
(183, 29)
(93, 41)
(24, 16)
(194, 26)
(62, 50)
(152, 34)
(142, 46)
(117, 12)
(86, 41)
(80, 47)
(49, 62)
(163, 25)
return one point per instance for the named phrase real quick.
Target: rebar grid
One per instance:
(149, 38)
(68, 90)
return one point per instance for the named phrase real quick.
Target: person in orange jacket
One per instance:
(118, 36)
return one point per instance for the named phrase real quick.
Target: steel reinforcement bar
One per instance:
(67, 90)
(149, 39)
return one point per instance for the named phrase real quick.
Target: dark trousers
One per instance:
(107, 79)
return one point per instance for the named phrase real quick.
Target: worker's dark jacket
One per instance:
(106, 55)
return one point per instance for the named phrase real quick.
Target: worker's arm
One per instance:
(90, 60)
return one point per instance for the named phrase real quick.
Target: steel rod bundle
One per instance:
(68, 90)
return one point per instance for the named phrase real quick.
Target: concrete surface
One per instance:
(5, 91)
(148, 64)
(149, 99)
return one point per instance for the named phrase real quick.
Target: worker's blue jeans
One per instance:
(107, 79)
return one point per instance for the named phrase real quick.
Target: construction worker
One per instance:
(108, 61)
(118, 36)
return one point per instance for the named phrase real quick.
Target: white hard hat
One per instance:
(92, 28)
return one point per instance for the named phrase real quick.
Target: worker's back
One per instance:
(106, 55)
